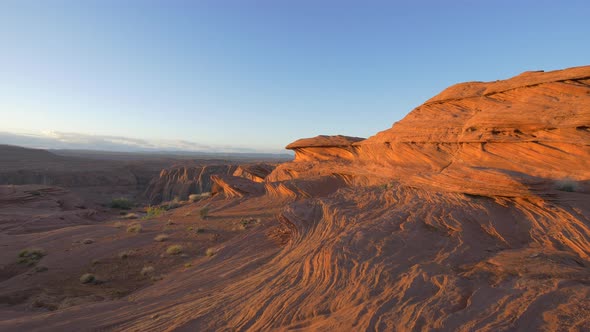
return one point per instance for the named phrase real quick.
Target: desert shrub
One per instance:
(210, 252)
(246, 223)
(174, 249)
(119, 224)
(154, 211)
(199, 230)
(204, 212)
(30, 256)
(129, 216)
(175, 203)
(197, 197)
(87, 278)
(87, 241)
(568, 185)
(161, 238)
(126, 254)
(121, 203)
(147, 270)
(135, 228)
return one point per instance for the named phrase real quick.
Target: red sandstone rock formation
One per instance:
(470, 214)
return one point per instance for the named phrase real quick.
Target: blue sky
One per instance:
(260, 74)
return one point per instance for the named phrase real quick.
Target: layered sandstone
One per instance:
(181, 181)
(470, 214)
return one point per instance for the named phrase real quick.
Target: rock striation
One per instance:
(470, 214)
(324, 147)
(181, 181)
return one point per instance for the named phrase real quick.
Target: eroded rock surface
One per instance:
(470, 214)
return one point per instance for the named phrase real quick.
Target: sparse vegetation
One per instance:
(87, 278)
(87, 241)
(126, 254)
(121, 203)
(210, 252)
(161, 238)
(204, 212)
(154, 211)
(175, 203)
(174, 249)
(30, 256)
(134, 228)
(568, 185)
(197, 197)
(118, 224)
(129, 216)
(246, 223)
(147, 270)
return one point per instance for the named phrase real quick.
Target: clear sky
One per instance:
(262, 73)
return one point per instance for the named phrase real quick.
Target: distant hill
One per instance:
(13, 153)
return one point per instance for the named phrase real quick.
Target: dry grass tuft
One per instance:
(174, 249)
(161, 238)
(135, 228)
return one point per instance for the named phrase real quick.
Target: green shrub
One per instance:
(30, 256)
(174, 249)
(121, 203)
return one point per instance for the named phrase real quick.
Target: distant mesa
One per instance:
(11, 153)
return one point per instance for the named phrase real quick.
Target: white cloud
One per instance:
(66, 140)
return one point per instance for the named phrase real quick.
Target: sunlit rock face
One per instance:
(470, 214)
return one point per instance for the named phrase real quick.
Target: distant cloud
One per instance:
(66, 140)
